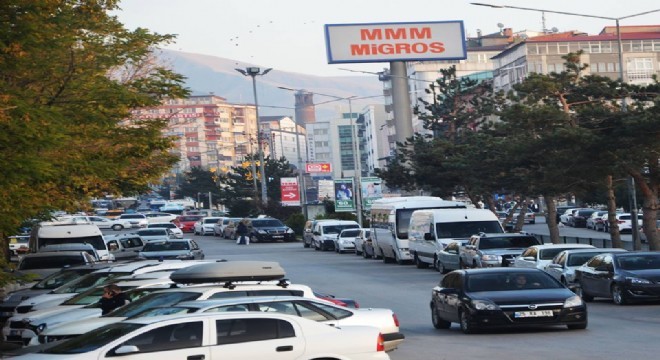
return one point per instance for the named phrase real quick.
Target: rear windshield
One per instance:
(507, 242)
(50, 262)
(211, 221)
(166, 246)
(154, 231)
(190, 218)
(350, 233)
(336, 229)
(579, 259)
(465, 229)
(639, 262)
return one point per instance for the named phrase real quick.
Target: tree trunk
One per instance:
(491, 204)
(649, 209)
(611, 214)
(550, 218)
(520, 222)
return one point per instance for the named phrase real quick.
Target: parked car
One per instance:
(594, 219)
(159, 217)
(186, 222)
(308, 235)
(478, 299)
(88, 248)
(100, 221)
(151, 234)
(230, 335)
(360, 240)
(205, 225)
(563, 265)
(625, 277)
(124, 246)
(448, 258)
(205, 212)
(180, 249)
(579, 218)
(624, 222)
(346, 240)
(270, 230)
(325, 233)
(530, 217)
(43, 264)
(538, 256)
(137, 220)
(229, 230)
(561, 210)
(167, 225)
(493, 249)
(564, 218)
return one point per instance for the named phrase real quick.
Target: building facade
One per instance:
(285, 138)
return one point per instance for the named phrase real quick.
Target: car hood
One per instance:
(47, 298)
(15, 297)
(649, 274)
(515, 297)
(38, 315)
(507, 251)
(70, 313)
(80, 326)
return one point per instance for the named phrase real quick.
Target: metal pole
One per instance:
(262, 167)
(356, 165)
(301, 174)
(210, 202)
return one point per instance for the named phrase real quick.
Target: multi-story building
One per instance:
(375, 149)
(209, 132)
(285, 138)
(543, 55)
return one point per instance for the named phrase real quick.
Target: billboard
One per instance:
(371, 190)
(344, 195)
(290, 191)
(318, 168)
(326, 190)
(386, 42)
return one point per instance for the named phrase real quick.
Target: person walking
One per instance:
(242, 232)
(112, 298)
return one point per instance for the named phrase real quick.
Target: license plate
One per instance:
(278, 236)
(528, 314)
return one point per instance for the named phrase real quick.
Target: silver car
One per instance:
(563, 265)
(180, 249)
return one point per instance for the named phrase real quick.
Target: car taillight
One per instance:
(396, 319)
(380, 346)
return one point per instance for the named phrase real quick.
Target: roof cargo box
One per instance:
(227, 271)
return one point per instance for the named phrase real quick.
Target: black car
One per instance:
(579, 218)
(625, 277)
(269, 230)
(504, 297)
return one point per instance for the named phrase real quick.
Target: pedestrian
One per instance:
(112, 298)
(242, 232)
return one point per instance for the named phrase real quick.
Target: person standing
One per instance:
(112, 298)
(241, 232)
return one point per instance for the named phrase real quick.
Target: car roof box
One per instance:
(228, 271)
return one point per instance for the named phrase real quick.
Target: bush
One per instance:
(296, 222)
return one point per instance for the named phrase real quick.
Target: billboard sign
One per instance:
(326, 190)
(318, 168)
(371, 190)
(290, 191)
(344, 195)
(386, 42)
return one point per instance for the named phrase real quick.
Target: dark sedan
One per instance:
(624, 277)
(269, 229)
(504, 297)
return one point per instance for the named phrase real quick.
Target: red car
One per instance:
(187, 222)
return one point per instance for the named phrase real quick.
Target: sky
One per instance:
(288, 35)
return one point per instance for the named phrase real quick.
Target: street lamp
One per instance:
(356, 148)
(631, 185)
(254, 72)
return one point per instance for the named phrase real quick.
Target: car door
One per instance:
(527, 259)
(196, 251)
(446, 301)
(603, 275)
(589, 275)
(257, 338)
(450, 256)
(183, 340)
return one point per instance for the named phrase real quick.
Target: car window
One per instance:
(465, 229)
(548, 254)
(595, 262)
(170, 337)
(94, 339)
(452, 280)
(229, 308)
(350, 233)
(233, 331)
(501, 242)
(639, 262)
(578, 259)
(152, 301)
(166, 246)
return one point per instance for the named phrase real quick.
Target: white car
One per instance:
(159, 217)
(345, 242)
(137, 220)
(360, 240)
(205, 225)
(538, 256)
(167, 225)
(233, 335)
(151, 234)
(100, 221)
(563, 265)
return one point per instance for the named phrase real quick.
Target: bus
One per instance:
(390, 218)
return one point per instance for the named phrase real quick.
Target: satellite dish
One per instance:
(500, 25)
(554, 30)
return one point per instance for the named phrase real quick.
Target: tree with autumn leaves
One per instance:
(70, 75)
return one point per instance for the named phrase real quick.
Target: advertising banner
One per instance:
(318, 168)
(344, 196)
(290, 191)
(326, 190)
(371, 190)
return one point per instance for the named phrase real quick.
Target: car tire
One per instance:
(254, 239)
(305, 245)
(619, 296)
(466, 325)
(117, 227)
(397, 259)
(357, 252)
(580, 292)
(440, 267)
(420, 264)
(438, 322)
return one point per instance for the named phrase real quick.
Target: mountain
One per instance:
(210, 74)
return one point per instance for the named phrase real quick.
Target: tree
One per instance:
(71, 74)
(197, 184)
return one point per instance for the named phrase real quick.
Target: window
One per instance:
(170, 337)
(234, 331)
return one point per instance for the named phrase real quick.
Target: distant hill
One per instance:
(210, 74)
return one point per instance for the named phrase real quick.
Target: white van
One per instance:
(390, 218)
(54, 233)
(431, 230)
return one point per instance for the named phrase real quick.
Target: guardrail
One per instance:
(597, 242)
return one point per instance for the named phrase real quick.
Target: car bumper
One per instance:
(514, 318)
(392, 340)
(643, 291)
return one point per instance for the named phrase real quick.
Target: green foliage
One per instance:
(296, 222)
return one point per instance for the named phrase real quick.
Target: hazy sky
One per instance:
(288, 35)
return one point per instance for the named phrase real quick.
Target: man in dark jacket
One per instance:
(241, 232)
(112, 298)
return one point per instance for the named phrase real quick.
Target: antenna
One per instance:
(501, 26)
(545, 31)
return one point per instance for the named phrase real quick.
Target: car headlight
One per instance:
(262, 232)
(484, 305)
(490, 258)
(290, 231)
(637, 281)
(573, 301)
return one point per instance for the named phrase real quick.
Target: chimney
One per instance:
(478, 33)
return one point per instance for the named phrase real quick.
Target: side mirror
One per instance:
(126, 349)
(528, 258)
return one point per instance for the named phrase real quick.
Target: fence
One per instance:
(597, 242)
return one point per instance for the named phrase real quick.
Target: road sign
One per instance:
(290, 191)
(318, 168)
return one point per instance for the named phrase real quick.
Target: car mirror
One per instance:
(528, 258)
(127, 349)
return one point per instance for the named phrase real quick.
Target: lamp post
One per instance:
(253, 72)
(631, 184)
(356, 148)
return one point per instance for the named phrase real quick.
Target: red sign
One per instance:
(290, 191)
(318, 168)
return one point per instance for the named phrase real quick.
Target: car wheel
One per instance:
(357, 252)
(438, 322)
(580, 292)
(398, 259)
(466, 325)
(117, 227)
(420, 264)
(619, 295)
(440, 267)
(254, 239)
(305, 244)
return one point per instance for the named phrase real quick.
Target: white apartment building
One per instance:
(285, 139)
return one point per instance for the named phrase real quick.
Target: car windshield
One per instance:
(86, 282)
(56, 280)
(465, 229)
(94, 339)
(639, 262)
(151, 232)
(267, 223)
(507, 282)
(507, 242)
(211, 221)
(166, 246)
(87, 297)
(350, 233)
(336, 229)
(579, 259)
(50, 262)
(153, 301)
